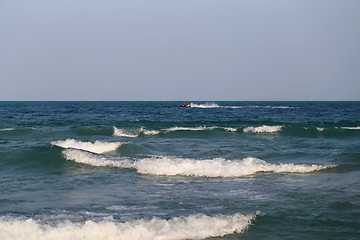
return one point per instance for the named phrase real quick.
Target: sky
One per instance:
(181, 50)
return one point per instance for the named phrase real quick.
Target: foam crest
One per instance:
(96, 147)
(218, 167)
(262, 129)
(197, 226)
(94, 160)
(122, 133)
(201, 128)
(148, 132)
(172, 166)
(7, 129)
(230, 129)
(351, 128)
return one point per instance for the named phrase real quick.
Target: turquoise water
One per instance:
(153, 170)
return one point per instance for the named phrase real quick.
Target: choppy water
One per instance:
(153, 170)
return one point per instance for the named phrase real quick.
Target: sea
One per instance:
(155, 170)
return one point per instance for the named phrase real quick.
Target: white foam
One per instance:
(230, 129)
(201, 128)
(217, 167)
(148, 132)
(234, 107)
(215, 105)
(171, 166)
(320, 129)
(7, 129)
(94, 160)
(262, 129)
(281, 107)
(198, 226)
(136, 133)
(212, 105)
(205, 105)
(122, 133)
(96, 147)
(351, 128)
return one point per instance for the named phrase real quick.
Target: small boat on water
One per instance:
(185, 105)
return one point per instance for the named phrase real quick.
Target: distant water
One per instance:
(153, 170)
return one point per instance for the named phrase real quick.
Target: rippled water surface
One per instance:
(155, 170)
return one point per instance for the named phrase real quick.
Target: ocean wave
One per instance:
(148, 132)
(262, 129)
(118, 132)
(230, 129)
(96, 147)
(197, 226)
(7, 129)
(172, 166)
(351, 128)
(142, 131)
(95, 160)
(201, 128)
(122, 133)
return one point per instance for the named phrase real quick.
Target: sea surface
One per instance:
(155, 170)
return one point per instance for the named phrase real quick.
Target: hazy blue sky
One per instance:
(179, 50)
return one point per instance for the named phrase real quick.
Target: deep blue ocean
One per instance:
(155, 170)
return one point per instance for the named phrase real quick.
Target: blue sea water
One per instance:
(154, 170)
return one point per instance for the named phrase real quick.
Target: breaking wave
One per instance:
(291, 129)
(230, 129)
(198, 226)
(351, 128)
(262, 129)
(96, 147)
(95, 160)
(201, 128)
(172, 166)
(123, 133)
(7, 129)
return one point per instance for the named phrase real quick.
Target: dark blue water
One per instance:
(154, 170)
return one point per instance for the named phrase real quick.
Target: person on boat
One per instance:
(185, 105)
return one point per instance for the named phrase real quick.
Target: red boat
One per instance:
(185, 105)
